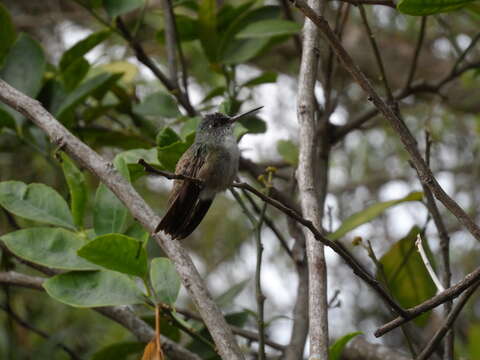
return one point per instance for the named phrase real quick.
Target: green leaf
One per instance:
(207, 28)
(158, 104)
(117, 252)
(407, 278)
(165, 281)
(119, 7)
(429, 7)
(243, 50)
(473, 343)
(265, 78)
(75, 73)
(8, 33)
(93, 289)
(95, 136)
(23, 69)
(88, 88)
(170, 148)
(167, 137)
(77, 187)
(81, 48)
(289, 151)
(335, 351)
(233, 50)
(131, 158)
(218, 91)
(253, 124)
(119, 351)
(227, 298)
(269, 28)
(24, 66)
(36, 202)
(6, 119)
(169, 155)
(187, 29)
(109, 213)
(370, 213)
(190, 126)
(52, 247)
(137, 232)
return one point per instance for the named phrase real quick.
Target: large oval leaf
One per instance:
(158, 104)
(82, 47)
(370, 213)
(406, 276)
(36, 202)
(165, 280)
(52, 247)
(117, 252)
(109, 213)
(92, 86)
(93, 289)
(23, 69)
(78, 189)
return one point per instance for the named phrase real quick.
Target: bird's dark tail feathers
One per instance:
(186, 211)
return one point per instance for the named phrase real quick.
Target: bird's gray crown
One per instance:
(215, 120)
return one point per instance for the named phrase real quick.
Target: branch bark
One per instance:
(409, 142)
(120, 314)
(312, 194)
(447, 295)
(59, 135)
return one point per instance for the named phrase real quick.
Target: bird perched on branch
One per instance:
(212, 160)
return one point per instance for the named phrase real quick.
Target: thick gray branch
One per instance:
(311, 203)
(120, 314)
(105, 171)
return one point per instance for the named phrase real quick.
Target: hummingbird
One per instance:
(213, 159)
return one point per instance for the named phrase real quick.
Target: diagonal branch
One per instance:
(39, 332)
(424, 173)
(105, 171)
(120, 314)
(449, 294)
(148, 62)
(448, 323)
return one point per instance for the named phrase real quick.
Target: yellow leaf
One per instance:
(129, 70)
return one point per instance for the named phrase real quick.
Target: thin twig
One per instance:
(148, 62)
(416, 54)
(270, 224)
(170, 40)
(444, 248)
(447, 324)
(39, 332)
(105, 171)
(424, 172)
(381, 271)
(169, 175)
(449, 294)
(357, 268)
(120, 314)
(341, 131)
(428, 266)
(465, 52)
(378, 56)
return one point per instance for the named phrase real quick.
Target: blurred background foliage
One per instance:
(238, 54)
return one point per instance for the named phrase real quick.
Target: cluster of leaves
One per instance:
(106, 262)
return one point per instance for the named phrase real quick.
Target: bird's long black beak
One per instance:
(236, 117)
